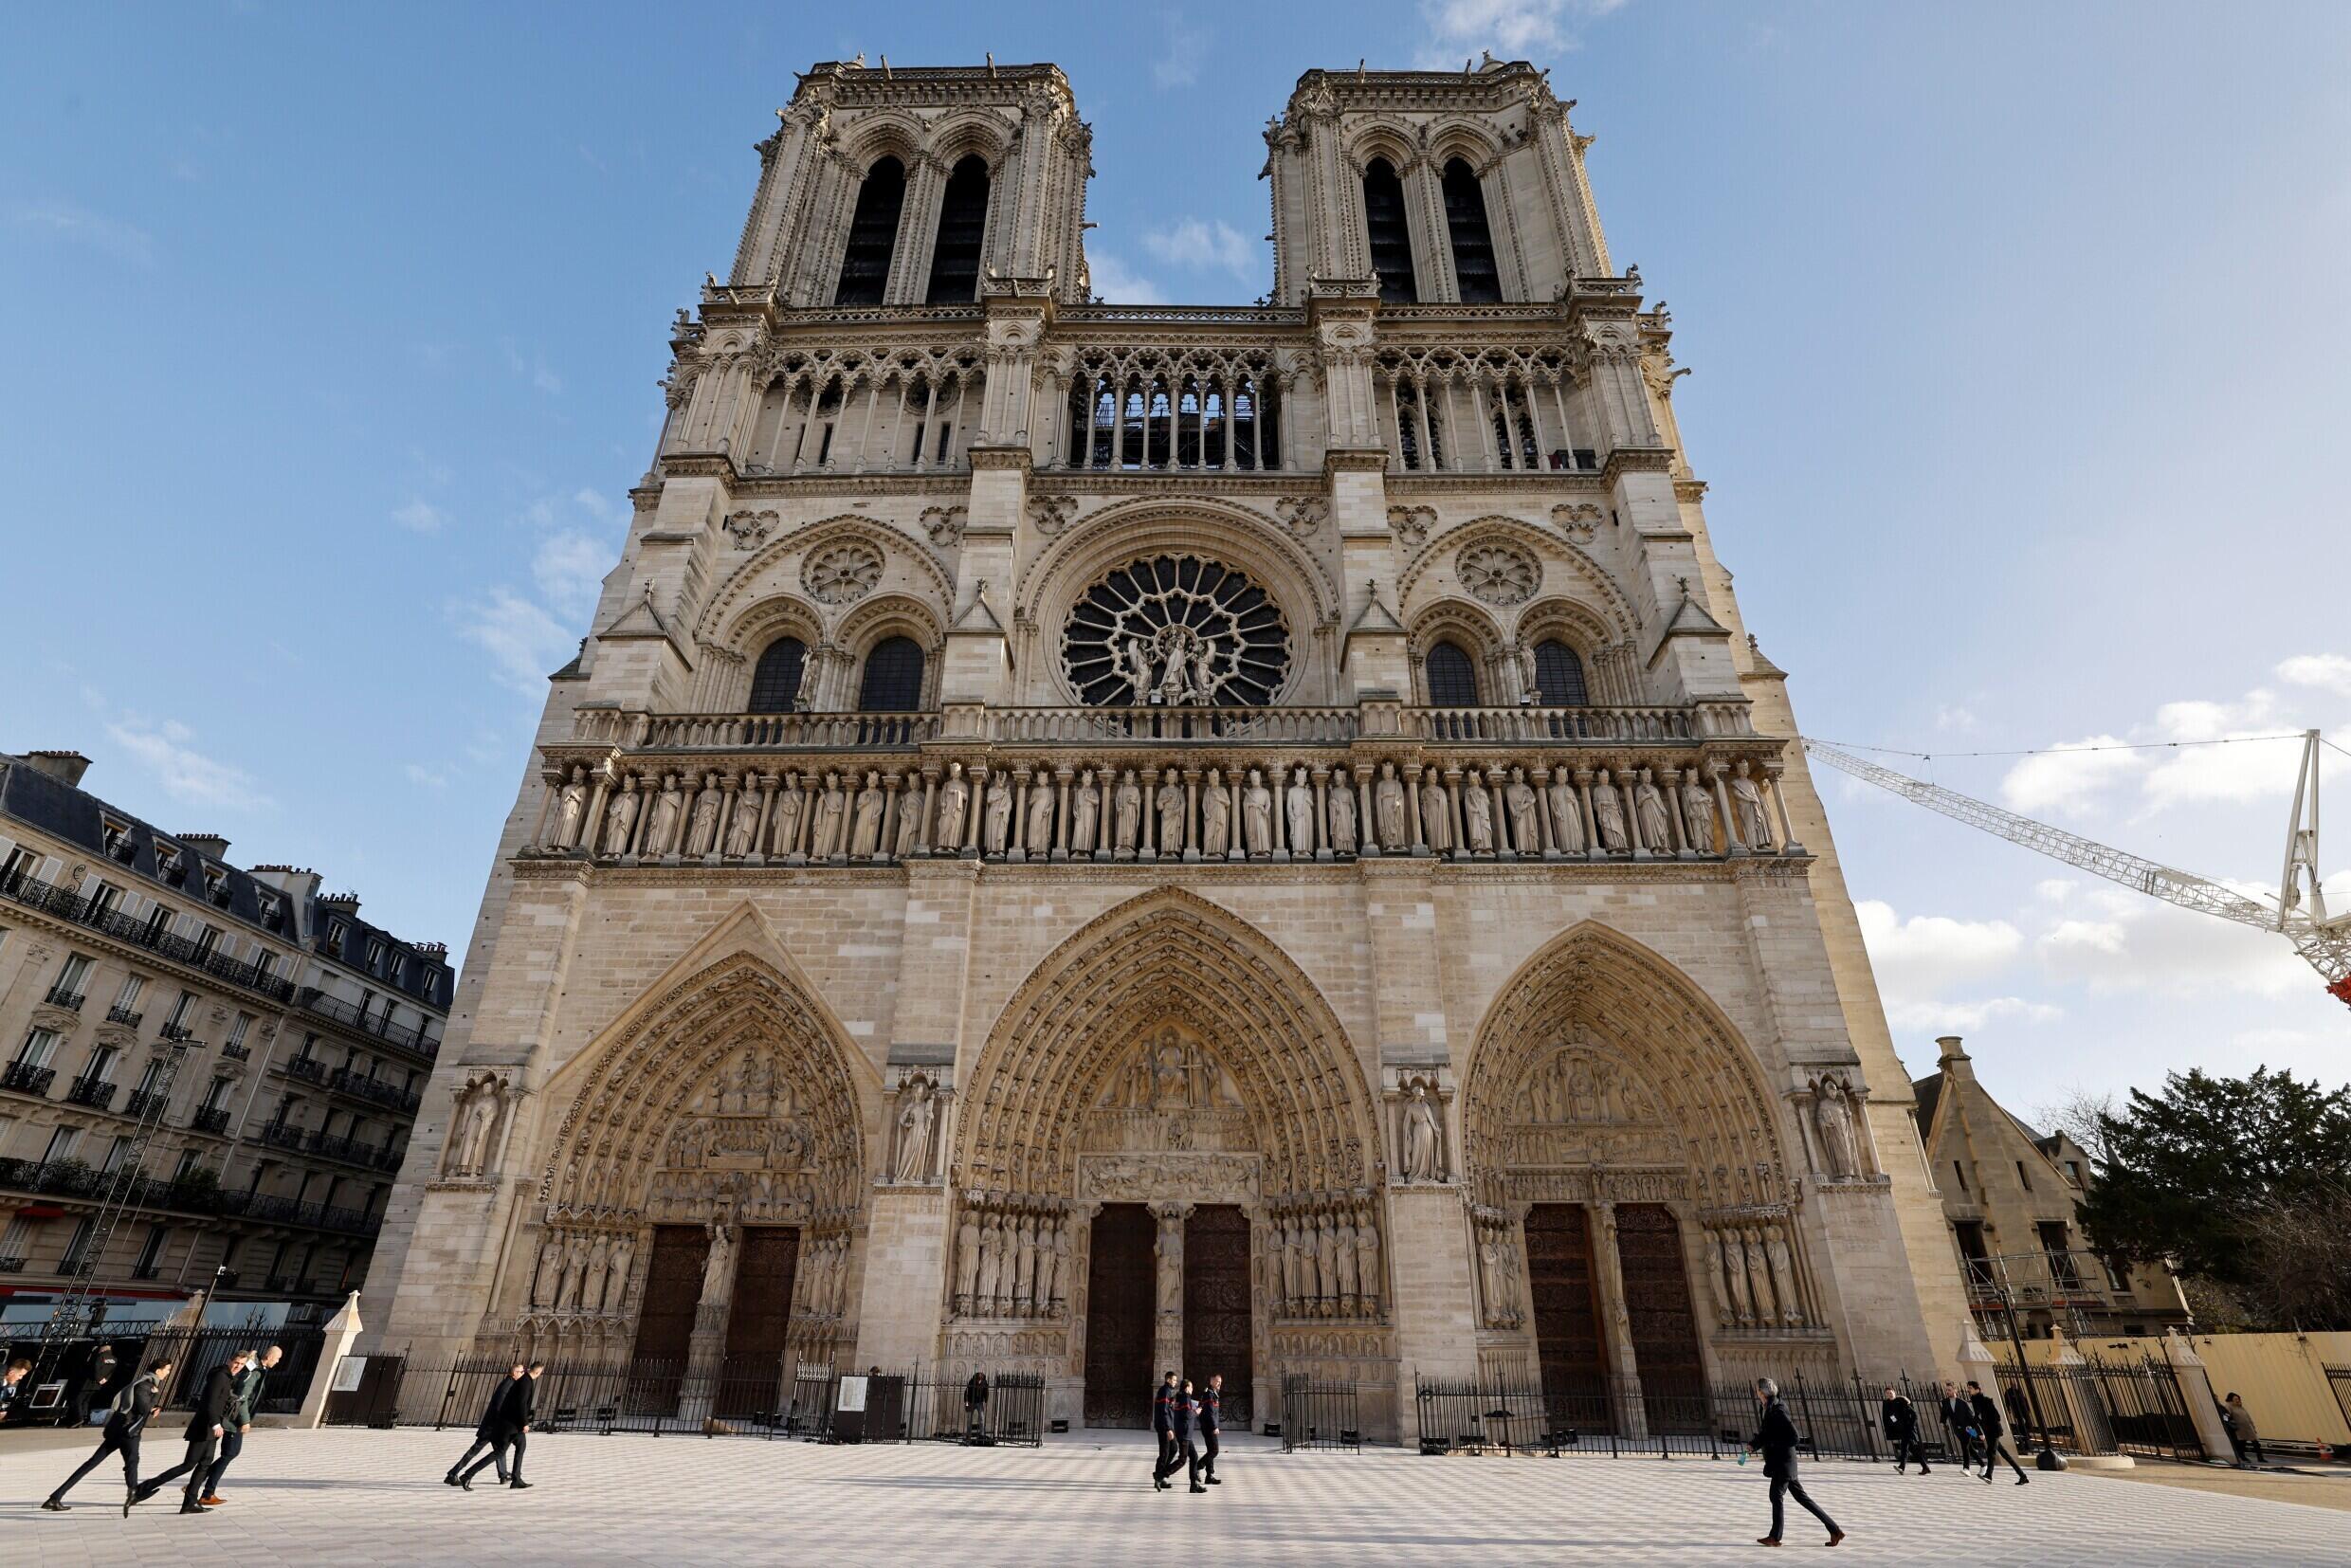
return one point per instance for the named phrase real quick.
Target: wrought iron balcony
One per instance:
(308, 1069)
(123, 1016)
(210, 1119)
(64, 904)
(11, 1266)
(280, 1135)
(177, 1031)
(236, 1053)
(345, 1081)
(139, 1102)
(25, 1079)
(74, 1269)
(70, 1000)
(311, 1000)
(94, 1092)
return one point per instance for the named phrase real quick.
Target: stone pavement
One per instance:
(352, 1497)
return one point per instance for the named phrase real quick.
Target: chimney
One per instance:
(1953, 1059)
(66, 767)
(345, 905)
(210, 845)
(298, 883)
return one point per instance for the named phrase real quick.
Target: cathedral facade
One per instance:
(1086, 839)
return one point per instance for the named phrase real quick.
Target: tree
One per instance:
(2232, 1178)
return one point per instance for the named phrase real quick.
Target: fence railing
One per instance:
(1319, 1416)
(2101, 1407)
(193, 1354)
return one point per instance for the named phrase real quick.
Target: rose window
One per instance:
(1176, 629)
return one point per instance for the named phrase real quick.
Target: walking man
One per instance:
(1187, 1424)
(1212, 1427)
(95, 1384)
(1163, 1427)
(205, 1429)
(1775, 1437)
(1959, 1419)
(1996, 1443)
(1901, 1420)
(2243, 1434)
(485, 1429)
(244, 1401)
(511, 1428)
(133, 1403)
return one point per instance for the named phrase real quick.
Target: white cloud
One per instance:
(1513, 30)
(592, 502)
(2329, 671)
(429, 779)
(524, 643)
(2064, 778)
(1178, 64)
(533, 369)
(1955, 1018)
(186, 773)
(1919, 958)
(569, 570)
(2129, 945)
(61, 220)
(1957, 719)
(1116, 285)
(420, 515)
(1216, 244)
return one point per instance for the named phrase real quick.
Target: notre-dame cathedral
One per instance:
(1089, 838)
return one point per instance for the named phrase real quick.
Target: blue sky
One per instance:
(2018, 337)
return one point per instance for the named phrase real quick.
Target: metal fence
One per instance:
(193, 1354)
(2101, 1407)
(1510, 1410)
(1319, 1416)
(2338, 1378)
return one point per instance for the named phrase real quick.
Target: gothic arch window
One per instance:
(1452, 678)
(1391, 238)
(775, 682)
(962, 220)
(873, 235)
(893, 680)
(1473, 242)
(1558, 674)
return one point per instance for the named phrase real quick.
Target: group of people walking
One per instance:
(505, 1430)
(215, 1433)
(1189, 1426)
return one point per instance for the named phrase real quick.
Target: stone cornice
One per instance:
(1166, 873)
(1636, 459)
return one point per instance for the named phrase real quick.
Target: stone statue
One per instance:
(1327, 1251)
(469, 1137)
(1437, 816)
(1024, 1291)
(574, 1270)
(991, 1263)
(621, 818)
(1171, 803)
(1037, 832)
(1343, 815)
(718, 1273)
(1085, 811)
(661, 834)
(995, 823)
(574, 805)
(1139, 670)
(1489, 1278)
(1205, 681)
(832, 816)
(1609, 812)
(790, 803)
(1758, 1276)
(704, 837)
(1567, 815)
(909, 835)
(591, 1281)
(1530, 682)
(1519, 797)
(1424, 1158)
(1298, 810)
(865, 834)
(967, 1258)
(1834, 1118)
(1215, 817)
(744, 827)
(1723, 1317)
(1650, 804)
(615, 1295)
(1128, 806)
(953, 796)
(1783, 1278)
(1388, 799)
(1697, 813)
(1477, 807)
(1367, 1264)
(1052, 1289)
(1735, 1275)
(1293, 1276)
(1257, 815)
(1748, 802)
(917, 1119)
(1343, 1247)
(545, 1276)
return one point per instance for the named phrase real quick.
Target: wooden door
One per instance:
(758, 1317)
(1663, 1323)
(1217, 1304)
(1120, 1276)
(673, 1287)
(1568, 1337)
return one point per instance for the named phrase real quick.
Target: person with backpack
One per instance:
(125, 1419)
(1899, 1419)
(1776, 1438)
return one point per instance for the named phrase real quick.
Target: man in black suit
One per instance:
(1899, 1419)
(485, 1431)
(1958, 1416)
(1186, 1422)
(1163, 1427)
(511, 1429)
(1996, 1443)
(1777, 1437)
(132, 1404)
(205, 1429)
(1212, 1427)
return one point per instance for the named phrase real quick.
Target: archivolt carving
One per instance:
(755, 579)
(1255, 1028)
(1665, 1050)
(1255, 543)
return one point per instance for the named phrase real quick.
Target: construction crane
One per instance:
(2300, 916)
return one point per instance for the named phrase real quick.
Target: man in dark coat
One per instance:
(1900, 1418)
(1776, 1438)
(1163, 1426)
(1958, 1417)
(1212, 1427)
(485, 1429)
(975, 1407)
(95, 1382)
(1186, 1419)
(1996, 1443)
(132, 1404)
(247, 1399)
(510, 1426)
(205, 1429)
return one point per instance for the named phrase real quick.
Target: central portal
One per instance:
(1118, 1301)
(1567, 1317)
(1217, 1308)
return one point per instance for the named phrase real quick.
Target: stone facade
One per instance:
(270, 1045)
(1281, 790)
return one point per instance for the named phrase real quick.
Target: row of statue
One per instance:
(1011, 1259)
(821, 1280)
(1038, 812)
(583, 1272)
(1326, 1260)
(1500, 1269)
(1753, 1274)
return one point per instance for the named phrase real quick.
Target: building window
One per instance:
(188, 1161)
(264, 965)
(180, 1010)
(2073, 1169)
(217, 1096)
(893, 681)
(63, 1142)
(22, 865)
(1390, 237)
(237, 1029)
(1452, 678)
(71, 979)
(873, 235)
(776, 683)
(2060, 1254)
(16, 1243)
(151, 1252)
(103, 902)
(126, 1000)
(117, 1151)
(38, 1047)
(150, 1080)
(208, 941)
(158, 921)
(1558, 674)
(168, 863)
(1473, 245)
(101, 1068)
(2022, 1176)
(376, 954)
(336, 934)
(1960, 1170)
(71, 1263)
(962, 220)
(115, 837)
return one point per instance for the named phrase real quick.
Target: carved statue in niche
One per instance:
(788, 808)
(744, 826)
(1298, 806)
(1567, 817)
(1718, 1299)
(995, 820)
(866, 835)
(1832, 1114)
(1085, 812)
(832, 819)
(908, 837)
(622, 817)
(1519, 795)
(591, 1278)
(1257, 815)
(471, 1125)
(955, 795)
(1735, 1277)
(1783, 1277)
(918, 1123)
(574, 805)
(547, 1276)
(1424, 1139)
(1215, 817)
(1758, 1276)
(1747, 801)
(967, 1256)
(1478, 809)
(1367, 1258)
(991, 1261)
(1170, 801)
(1489, 1277)
(1437, 816)
(661, 833)
(574, 1268)
(1608, 812)
(1037, 832)
(1649, 803)
(1388, 799)
(1130, 812)
(1697, 813)
(1343, 814)
(616, 1293)
(704, 837)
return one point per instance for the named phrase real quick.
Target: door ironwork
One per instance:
(1664, 1325)
(673, 1287)
(759, 1317)
(1120, 1276)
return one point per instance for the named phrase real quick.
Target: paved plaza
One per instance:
(352, 1497)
